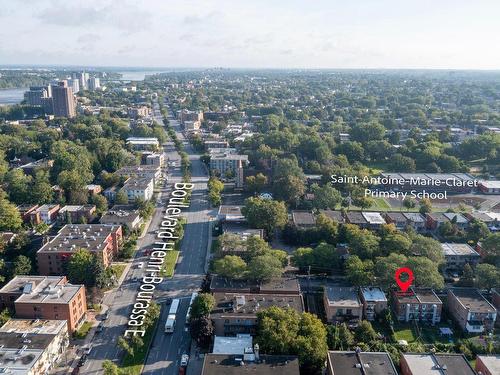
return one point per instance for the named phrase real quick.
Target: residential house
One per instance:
(435, 219)
(336, 216)
(397, 218)
(415, 220)
(458, 219)
(472, 312)
(357, 218)
(374, 220)
(303, 219)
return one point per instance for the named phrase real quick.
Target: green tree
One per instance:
(425, 206)
(408, 203)
(487, 276)
(365, 333)
(201, 330)
(395, 242)
(427, 247)
(339, 337)
(110, 368)
(231, 266)
(325, 196)
(10, 219)
(202, 305)
(265, 214)
(41, 191)
(490, 247)
(362, 242)
(18, 186)
(124, 344)
(121, 197)
(426, 273)
(264, 268)
(256, 184)
(467, 278)
(101, 203)
(359, 272)
(21, 266)
(80, 268)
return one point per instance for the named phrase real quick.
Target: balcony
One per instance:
(474, 326)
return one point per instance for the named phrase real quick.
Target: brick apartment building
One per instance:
(417, 304)
(102, 240)
(45, 297)
(472, 312)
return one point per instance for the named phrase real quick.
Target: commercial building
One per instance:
(255, 364)
(138, 188)
(374, 301)
(123, 215)
(360, 363)
(32, 347)
(45, 297)
(472, 312)
(417, 304)
(236, 313)
(102, 240)
(457, 255)
(434, 364)
(63, 101)
(488, 364)
(286, 286)
(342, 304)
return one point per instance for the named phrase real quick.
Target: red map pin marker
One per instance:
(404, 285)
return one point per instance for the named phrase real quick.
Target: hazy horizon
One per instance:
(296, 34)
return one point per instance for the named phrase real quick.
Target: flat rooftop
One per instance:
(437, 364)
(362, 363)
(137, 183)
(396, 216)
(72, 237)
(282, 285)
(41, 289)
(373, 294)
(492, 362)
(458, 249)
(355, 217)
(119, 215)
(247, 305)
(34, 326)
(232, 345)
(472, 300)
(418, 295)
(460, 219)
(414, 217)
(220, 364)
(374, 218)
(342, 296)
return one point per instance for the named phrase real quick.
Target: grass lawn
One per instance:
(118, 269)
(404, 333)
(83, 330)
(169, 263)
(132, 365)
(381, 204)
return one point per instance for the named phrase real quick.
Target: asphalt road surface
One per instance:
(166, 349)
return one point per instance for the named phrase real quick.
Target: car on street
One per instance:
(88, 349)
(184, 360)
(82, 360)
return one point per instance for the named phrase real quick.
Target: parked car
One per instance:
(184, 360)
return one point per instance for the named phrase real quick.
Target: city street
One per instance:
(166, 349)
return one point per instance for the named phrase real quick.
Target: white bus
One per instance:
(188, 315)
(170, 323)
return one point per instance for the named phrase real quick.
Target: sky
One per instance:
(437, 34)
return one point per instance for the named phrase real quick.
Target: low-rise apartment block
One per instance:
(153, 158)
(374, 301)
(488, 364)
(303, 219)
(342, 304)
(434, 363)
(457, 255)
(417, 304)
(224, 364)
(102, 240)
(360, 363)
(472, 312)
(80, 214)
(143, 143)
(124, 215)
(151, 171)
(45, 297)
(236, 313)
(138, 188)
(32, 347)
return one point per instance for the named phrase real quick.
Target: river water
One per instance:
(12, 96)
